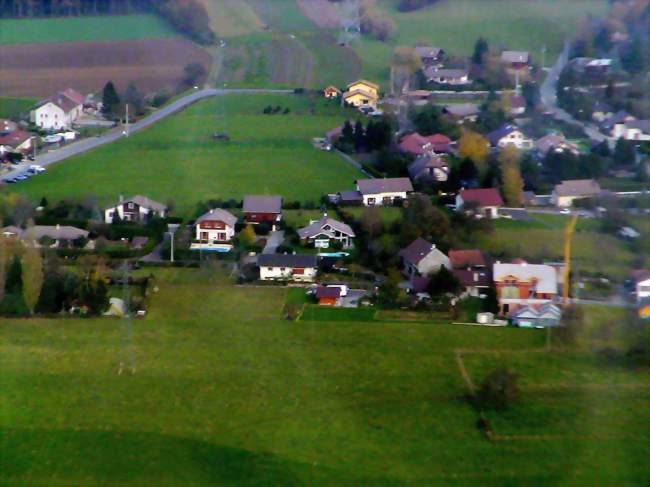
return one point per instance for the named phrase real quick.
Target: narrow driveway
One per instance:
(273, 241)
(85, 145)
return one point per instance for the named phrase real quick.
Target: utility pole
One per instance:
(543, 56)
(127, 120)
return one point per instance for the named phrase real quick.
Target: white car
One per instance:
(565, 211)
(36, 168)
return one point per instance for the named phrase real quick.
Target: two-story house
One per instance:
(362, 93)
(377, 192)
(58, 112)
(136, 209)
(483, 202)
(214, 229)
(263, 209)
(288, 267)
(422, 258)
(509, 135)
(521, 284)
(322, 232)
(470, 269)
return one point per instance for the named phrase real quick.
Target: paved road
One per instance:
(548, 95)
(273, 241)
(85, 145)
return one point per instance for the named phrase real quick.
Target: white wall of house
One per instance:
(563, 201)
(51, 117)
(630, 133)
(287, 273)
(224, 234)
(516, 139)
(109, 213)
(486, 211)
(643, 289)
(380, 199)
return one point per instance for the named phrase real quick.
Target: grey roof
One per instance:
(427, 51)
(316, 228)
(495, 136)
(142, 201)
(287, 260)
(263, 204)
(217, 214)
(615, 118)
(643, 125)
(515, 56)
(55, 232)
(545, 311)
(551, 141)
(462, 109)
(350, 196)
(417, 251)
(388, 185)
(65, 100)
(545, 276)
(578, 187)
(446, 73)
(425, 162)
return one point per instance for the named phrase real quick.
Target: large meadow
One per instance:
(179, 159)
(224, 392)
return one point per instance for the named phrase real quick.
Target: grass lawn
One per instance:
(225, 393)
(456, 24)
(177, 158)
(13, 107)
(74, 29)
(230, 18)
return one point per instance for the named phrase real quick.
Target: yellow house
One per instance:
(362, 93)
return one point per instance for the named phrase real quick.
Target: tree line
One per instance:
(188, 16)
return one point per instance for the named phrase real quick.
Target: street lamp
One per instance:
(171, 231)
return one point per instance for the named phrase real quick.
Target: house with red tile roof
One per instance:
(484, 202)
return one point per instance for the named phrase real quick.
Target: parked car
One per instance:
(35, 168)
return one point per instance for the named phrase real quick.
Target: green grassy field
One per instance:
(74, 29)
(455, 25)
(177, 158)
(224, 393)
(13, 107)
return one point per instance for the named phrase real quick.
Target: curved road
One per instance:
(47, 158)
(548, 95)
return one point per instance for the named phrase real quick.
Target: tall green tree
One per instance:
(14, 280)
(481, 49)
(110, 99)
(32, 276)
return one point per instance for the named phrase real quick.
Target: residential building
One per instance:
(216, 227)
(484, 202)
(263, 209)
(13, 139)
(362, 93)
(331, 92)
(287, 267)
(598, 68)
(517, 105)
(470, 269)
(467, 259)
(453, 77)
(509, 135)
(565, 193)
(633, 130)
(422, 258)
(520, 284)
(430, 56)
(322, 232)
(388, 191)
(515, 60)
(418, 145)
(641, 281)
(350, 198)
(545, 316)
(429, 169)
(619, 118)
(136, 209)
(329, 295)
(53, 236)
(59, 111)
(556, 143)
(462, 112)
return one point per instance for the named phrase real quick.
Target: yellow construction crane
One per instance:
(568, 240)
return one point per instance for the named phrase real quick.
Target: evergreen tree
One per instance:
(135, 99)
(359, 136)
(32, 274)
(624, 153)
(14, 280)
(481, 48)
(110, 99)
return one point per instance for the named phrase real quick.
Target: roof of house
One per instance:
(544, 276)
(417, 250)
(469, 277)
(328, 292)
(350, 196)
(482, 196)
(387, 185)
(496, 135)
(643, 125)
(578, 187)
(287, 260)
(462, 109)
(142, 201)
(15, 138)
(417, 144)
(365, 82)
(425, 162)
(515, 56)
(262, 204)
(139, 242)
(349, 94)
(11, 230)
(7, 126)
(547, 311)
(428, 51)
(446, 73)
(66, 100)
(55, 232)
(74, 95)
(619, 117)
(466, 258)
(549, 141)
(316, 228)
(334, 133)
(332, 88)
(639, 275)
(517, 101)
(218, 214)
(596, 63)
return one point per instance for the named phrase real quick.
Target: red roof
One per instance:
(466, 258)
(482, 197)
(328, 292)
(74, 96)
(419, 144)
(15, 138)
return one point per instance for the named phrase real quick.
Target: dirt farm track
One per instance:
(38, 70)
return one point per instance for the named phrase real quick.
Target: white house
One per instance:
(634, 130)
(216, 227)
(136, 209)
(484, 202)
(454, 77)
(422, 258)
(288, 267)
(565, 193)
(320, 233)
(59, 111)
(377, 192)
(509, 135)
(642, 286)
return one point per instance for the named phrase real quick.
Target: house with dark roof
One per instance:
(430, 56)
(470, 269)
(509, 135)
(418, 145)
(633, 130)
(287, 267)
(483, 202)
(515, 60)
(136, 209)
(322, 232)
(517, 105)
(462, 112)
(331, 92)
(214, 229)
(58, 112)
(263, 209)
(13, 139)
(429, 169)
(565, 193)
(422, 258)
(388, 191)
(329, 295)
(555, 143)
(454, 77)
(57, 236)
(467, 259)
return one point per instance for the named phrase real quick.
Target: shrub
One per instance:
(499, 390)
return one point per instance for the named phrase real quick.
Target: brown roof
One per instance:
(466, 258)
(263, 204)
(426, 51)
(328, 292)
(472, 278)
(7, 126)
(482, 197)
(515, 56)
(15, 138)
(388, 185)
(217, 214)
(417, 251)
(74, 95)
(365, 82)
(578, 187)
(63, 101)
